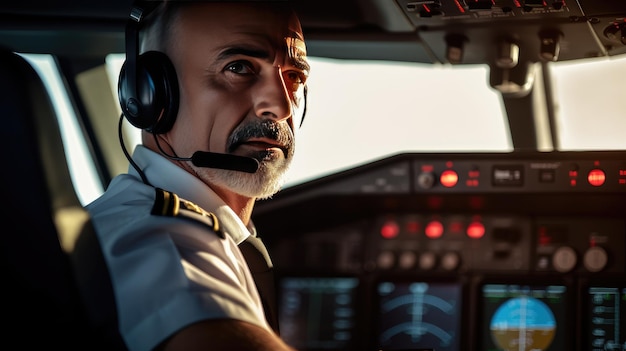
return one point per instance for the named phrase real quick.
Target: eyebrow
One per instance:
(234, 51)
(297, 61)
(301, 64)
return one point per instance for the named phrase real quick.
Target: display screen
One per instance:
(508, 175)
(521, 317)
(606, 308)
(318, 313)
(415, 315)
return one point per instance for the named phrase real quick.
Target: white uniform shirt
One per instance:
(169, 272)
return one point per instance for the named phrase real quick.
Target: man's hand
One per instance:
(224, 334)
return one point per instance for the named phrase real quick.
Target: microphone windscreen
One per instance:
(225, 161)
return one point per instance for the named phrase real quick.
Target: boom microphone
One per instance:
(215, 160)
(225, 161)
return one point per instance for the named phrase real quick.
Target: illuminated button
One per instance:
(434, 230)
(449, 178)
(427, 261)
(475, 230)
(389, 230)
(407, 260)
(564, 259)
(596, 177)
(595, 259)
(385, 260)
(450, 261)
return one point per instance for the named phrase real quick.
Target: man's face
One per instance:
(241, 70)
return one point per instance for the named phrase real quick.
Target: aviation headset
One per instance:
(148, 89)
(148, 86)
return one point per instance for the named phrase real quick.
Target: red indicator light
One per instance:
(449, 178)
(389, 230)
(472, 183)
(572, 182)
(434, 230)
(596, 177)
(475, 230)
(413, 227)
(455, 227)
(544, 239)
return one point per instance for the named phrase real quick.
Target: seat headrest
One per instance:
(31, 136)
(37, 189)
(38, 174)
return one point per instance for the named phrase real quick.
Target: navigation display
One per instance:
(318, 313)
(520, 317)
(606, 322)
(419, 315)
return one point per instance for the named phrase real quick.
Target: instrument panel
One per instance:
(521, 251)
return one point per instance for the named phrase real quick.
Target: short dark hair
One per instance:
(157, 27)
(154, 33)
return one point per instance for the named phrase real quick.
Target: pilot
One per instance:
(218, 90)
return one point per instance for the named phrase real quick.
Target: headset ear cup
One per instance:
(157, 93)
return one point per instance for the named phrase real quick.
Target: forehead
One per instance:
(231, 21)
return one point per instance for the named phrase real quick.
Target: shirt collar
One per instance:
(164, 174)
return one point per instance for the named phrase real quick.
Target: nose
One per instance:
(271, 97)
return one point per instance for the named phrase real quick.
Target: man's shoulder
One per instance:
(127, 197)
(169, 204)
(124, 191)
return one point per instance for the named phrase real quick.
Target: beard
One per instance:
(272, 171)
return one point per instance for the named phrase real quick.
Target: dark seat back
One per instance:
(42, 219)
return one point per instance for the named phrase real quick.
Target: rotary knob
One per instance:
(595, 259)
(450, 261)
(427, 261)
(407, 260)
(386, 260)
(426, 180)
(564, 259)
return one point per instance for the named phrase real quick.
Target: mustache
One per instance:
(280, 132)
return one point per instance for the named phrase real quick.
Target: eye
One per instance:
(240, 67)
(295, 77)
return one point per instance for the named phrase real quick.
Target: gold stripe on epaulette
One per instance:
(169, 204)
(216, 223)
(166, 203)
(188, 205)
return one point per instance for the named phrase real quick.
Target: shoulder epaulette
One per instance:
(168, 204)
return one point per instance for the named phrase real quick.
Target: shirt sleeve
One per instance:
(168, 273)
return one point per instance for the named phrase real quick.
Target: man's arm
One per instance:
(224, 334)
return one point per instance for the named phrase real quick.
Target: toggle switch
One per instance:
(508, 55)
(549, 45)
(558, 4)
(616, 31)
(455, 48)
